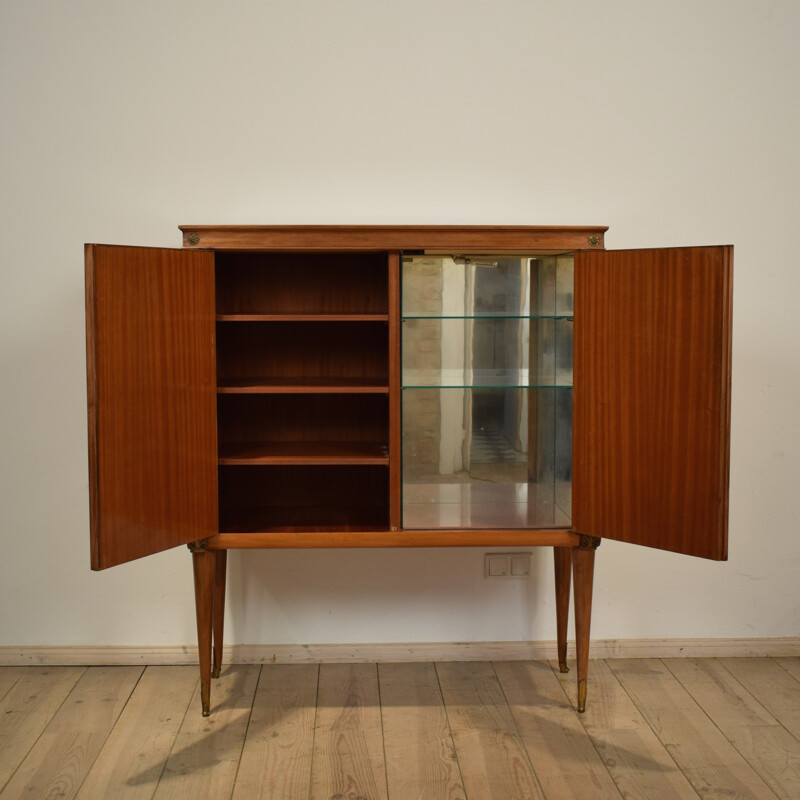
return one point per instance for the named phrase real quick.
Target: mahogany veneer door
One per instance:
(652, 397)
(152, 400)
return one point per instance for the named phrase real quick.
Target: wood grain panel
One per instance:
(293, 350)
(301, 283)
(152, 400)
(652, 397)
(302, 418)
(461, 238)
(268, 497)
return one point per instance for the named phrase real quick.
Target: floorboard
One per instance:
(276, 758)
(420, 755)
(561, 751)
(709, 761)
(207, 750)
(668, 729)
(26, 710)
(772, 686)
(8, 677)
(348, 760)
(791, 665)
(638, 762)
(132, 761)
(491, 756)
(62, 756)
(764, 743)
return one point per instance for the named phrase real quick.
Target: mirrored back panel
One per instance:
(487, 391)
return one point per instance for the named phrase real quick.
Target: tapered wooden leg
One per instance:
(203, 563)
(220, 571)
(583, 575)
(563, 560)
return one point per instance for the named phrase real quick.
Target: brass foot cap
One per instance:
(215, 673)
(581, 696)
(206, 712)
(562, 665)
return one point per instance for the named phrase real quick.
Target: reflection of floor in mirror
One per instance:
(491, 445)
(485, 504)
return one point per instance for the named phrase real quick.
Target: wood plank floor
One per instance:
(669, 728)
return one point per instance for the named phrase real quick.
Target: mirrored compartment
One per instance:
(487, 391)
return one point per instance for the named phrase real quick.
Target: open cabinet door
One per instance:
(152, 400)
(652, 397)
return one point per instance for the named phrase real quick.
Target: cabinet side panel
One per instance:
(652, 397)
(91, 396)
(152, 400)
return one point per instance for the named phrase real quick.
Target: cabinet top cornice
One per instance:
(557, 238)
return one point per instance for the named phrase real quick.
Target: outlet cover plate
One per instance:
(507, 565)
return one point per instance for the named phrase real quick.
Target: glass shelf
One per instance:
(482, 379)
(516, 351)
(488, 315)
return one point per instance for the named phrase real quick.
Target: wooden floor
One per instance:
(672, 728)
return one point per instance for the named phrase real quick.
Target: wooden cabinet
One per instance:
(256, 389)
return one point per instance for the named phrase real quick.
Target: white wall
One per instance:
(673, 122)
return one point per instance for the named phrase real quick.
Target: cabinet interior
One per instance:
(302, 382)
(304, 375)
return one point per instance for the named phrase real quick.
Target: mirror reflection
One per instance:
(487, 400)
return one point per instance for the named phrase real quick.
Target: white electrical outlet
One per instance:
(507, 565)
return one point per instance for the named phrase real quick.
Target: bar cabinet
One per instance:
(406, 386)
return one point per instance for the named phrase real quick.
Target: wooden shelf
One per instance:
(345, 317)
(297, 385)
(288, 453)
